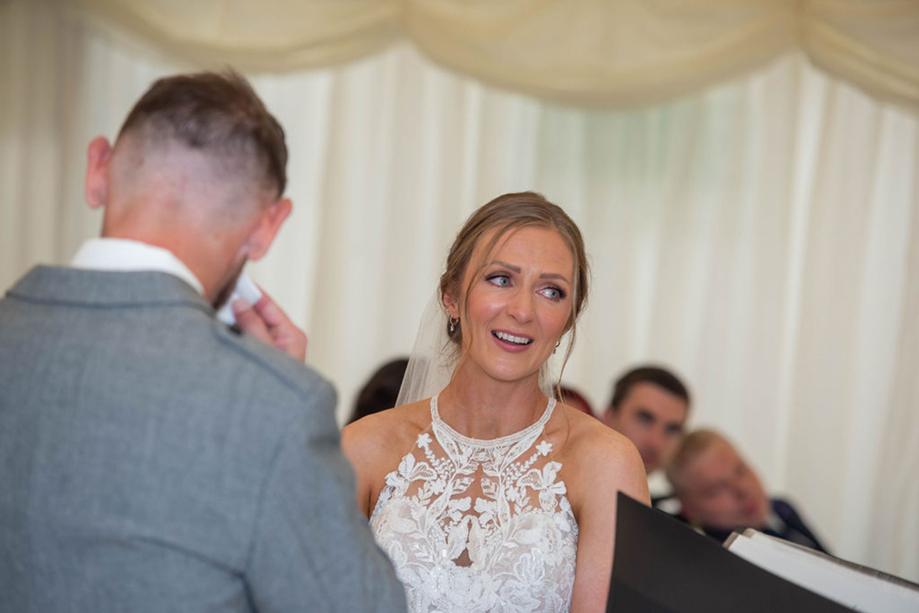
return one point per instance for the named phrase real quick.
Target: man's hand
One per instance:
(267, 322)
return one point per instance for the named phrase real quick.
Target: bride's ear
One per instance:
(450, 305)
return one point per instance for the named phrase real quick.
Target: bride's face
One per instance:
(519, 304)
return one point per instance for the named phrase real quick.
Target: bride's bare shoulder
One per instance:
(389, 432)
(591, 441)
(597, 458)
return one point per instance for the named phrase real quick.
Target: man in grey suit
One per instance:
(152, 459)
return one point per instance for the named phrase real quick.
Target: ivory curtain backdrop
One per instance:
(760, 236)
(585, 52)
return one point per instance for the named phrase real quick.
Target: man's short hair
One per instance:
(691, 447)
(648, 374)
(218, 113)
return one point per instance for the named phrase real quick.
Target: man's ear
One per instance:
(270, 221)
(98, 156)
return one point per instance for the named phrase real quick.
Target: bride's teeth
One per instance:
(517, 340)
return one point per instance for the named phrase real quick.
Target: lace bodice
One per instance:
(479, 525)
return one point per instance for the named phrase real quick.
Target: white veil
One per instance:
(434, 358)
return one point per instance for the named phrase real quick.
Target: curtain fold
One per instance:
(586, 53)
(618, 54)
(873, 44)
(250, 35)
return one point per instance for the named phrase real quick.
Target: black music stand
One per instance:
(664, 566)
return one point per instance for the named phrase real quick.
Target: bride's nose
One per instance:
(521, 305)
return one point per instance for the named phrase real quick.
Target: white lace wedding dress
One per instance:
(479, 525)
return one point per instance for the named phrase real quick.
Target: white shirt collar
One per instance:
(658, 484)
(126, 255)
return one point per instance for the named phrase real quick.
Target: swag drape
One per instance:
(605, 53)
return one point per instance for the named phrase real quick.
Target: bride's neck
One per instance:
(484, 408)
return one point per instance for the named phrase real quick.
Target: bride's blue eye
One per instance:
(499, 280)
(553, 293)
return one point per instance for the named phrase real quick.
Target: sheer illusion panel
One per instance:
(479, 525)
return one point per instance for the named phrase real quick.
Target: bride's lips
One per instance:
(510, 341)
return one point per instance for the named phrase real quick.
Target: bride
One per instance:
(490, 495)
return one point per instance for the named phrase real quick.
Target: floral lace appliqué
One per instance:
(479, 525)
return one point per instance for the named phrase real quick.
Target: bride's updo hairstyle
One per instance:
(506, 214)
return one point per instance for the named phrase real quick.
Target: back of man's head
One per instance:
(199, 169)
(219, 115)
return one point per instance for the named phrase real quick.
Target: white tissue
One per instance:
(245, 289)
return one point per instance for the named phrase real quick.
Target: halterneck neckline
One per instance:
(501, 441)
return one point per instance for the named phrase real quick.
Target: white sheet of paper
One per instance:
(825, 575)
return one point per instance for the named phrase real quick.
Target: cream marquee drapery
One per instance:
(596, 53)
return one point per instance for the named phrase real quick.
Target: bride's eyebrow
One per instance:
(510, 267)
(552, 275)
(545, 275)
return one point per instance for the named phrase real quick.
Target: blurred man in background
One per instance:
(718, 492)
(650, 406)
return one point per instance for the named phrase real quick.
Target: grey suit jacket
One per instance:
(153, 460)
